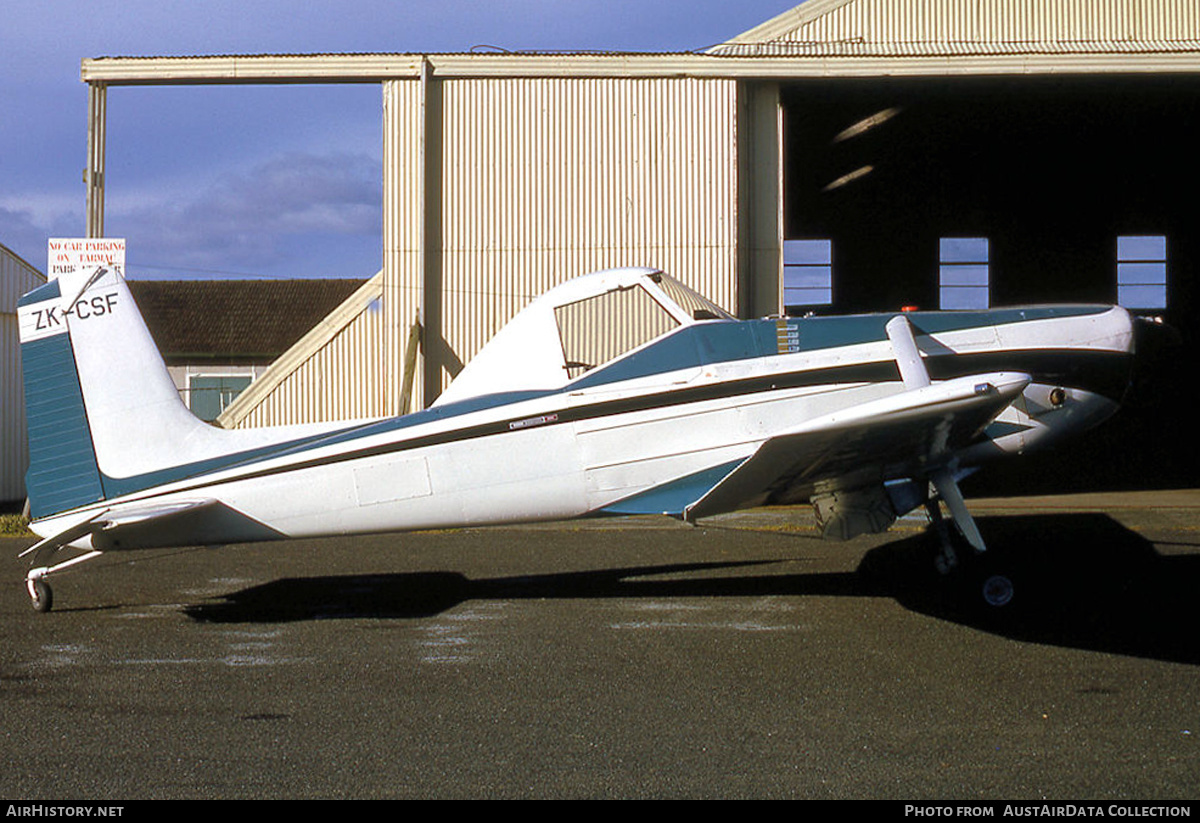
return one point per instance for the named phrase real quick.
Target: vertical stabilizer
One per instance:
(100, 403)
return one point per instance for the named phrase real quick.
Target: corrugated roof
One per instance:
(971, 27)
(858, 48)
(244, 320)
(480, 52)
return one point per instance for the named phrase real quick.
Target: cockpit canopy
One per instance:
(603, 327)
(578, 326)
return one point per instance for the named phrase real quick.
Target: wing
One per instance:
(914, 432)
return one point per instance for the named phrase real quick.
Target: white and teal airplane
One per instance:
(620, 392)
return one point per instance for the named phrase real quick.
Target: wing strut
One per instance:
(908, 356)
(915, 376)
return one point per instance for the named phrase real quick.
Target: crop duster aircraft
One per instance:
(620, 392)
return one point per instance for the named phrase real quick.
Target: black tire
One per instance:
(997, 590)
(41, 596)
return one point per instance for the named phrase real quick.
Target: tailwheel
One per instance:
(41, 596)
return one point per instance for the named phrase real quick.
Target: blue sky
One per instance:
(280, 181)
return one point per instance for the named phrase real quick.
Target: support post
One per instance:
(93, 175)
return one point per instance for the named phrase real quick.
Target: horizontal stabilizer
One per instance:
(910, 431)
(66, 537)
(186, 523)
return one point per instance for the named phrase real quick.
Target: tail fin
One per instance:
(101, 406)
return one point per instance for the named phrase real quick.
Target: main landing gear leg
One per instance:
(979, 572)
(947, 557)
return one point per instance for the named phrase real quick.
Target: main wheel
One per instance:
(41, 596)
(997, 590)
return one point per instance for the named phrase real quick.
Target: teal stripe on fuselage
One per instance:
(673, 497)
(847, 330)
(724, 341)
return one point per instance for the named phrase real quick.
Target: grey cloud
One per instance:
(267, 217)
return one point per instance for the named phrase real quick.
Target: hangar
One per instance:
(847, 155)
(16, 277)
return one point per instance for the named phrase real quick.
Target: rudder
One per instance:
(63, 472)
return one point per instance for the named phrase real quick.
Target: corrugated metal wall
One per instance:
(404, 228)
(340, 380)
(498, 189)
(546, 179)
(1000, 21)
(16, 278)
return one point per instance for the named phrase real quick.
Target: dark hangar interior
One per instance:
(1048, 171)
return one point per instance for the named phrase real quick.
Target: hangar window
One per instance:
(1142, 271)
(208, 395)
(807, 273)
(963, 273)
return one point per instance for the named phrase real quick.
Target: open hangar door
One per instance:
(984, 192)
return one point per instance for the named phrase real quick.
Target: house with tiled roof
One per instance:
(217, 336)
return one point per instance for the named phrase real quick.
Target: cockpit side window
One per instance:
(602, 328)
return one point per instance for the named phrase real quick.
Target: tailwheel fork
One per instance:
(41, 595)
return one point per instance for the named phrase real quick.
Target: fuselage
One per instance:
(691, 403)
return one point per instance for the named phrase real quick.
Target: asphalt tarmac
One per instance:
(640, 658)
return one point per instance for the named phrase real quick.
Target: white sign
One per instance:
(66, 254)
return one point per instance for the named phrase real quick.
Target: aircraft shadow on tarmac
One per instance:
(1081, 581)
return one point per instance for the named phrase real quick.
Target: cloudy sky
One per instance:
(276, 181)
